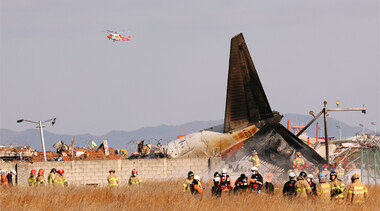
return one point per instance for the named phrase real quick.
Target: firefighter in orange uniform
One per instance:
(196, 187)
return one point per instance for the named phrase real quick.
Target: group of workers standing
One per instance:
(113, 180)
(303, 187)
(54, 179)
(6, 178)
(223, 183)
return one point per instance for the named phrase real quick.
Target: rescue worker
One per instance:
(51, 176)
(188, 181)
(59, 179)
(195, 186)
(216, 190)
(289, 189)
(347, 168)
(312, 184)
(323, 188)
(242, 184)
(4, 180)
(40, 180)
(316, 172)
(306, 168)
(135, 179)
(112, 179)
(337, 186)
(10, 176)
(255, 159)
(32, 178)
(339, 170)
(225, 181)
(325, 169)
(357, 192)
(257, 184)
(353, 166)
(268, 186)
(303, 189)
(299, 161)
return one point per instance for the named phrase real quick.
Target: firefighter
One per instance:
(135, 179)
(255, 159)
(289, 189)
(188, 181)
(325, 169)
(10, 177)
(268, 185)
(4, 179)
(303, 189)
(257, 184)
(339, 170)
(353, 166)
(357, 192)
(113, 180)
(323, 188)
(225, 181)
(195, 186)
(53, 173)
(40, 180)
(299, 161)
(216, 190)
(306, 168)
(337, 187)
(312, 184)
(59, 179)
(316, 172)
(242, 184)
(32, 178)
(347, 168)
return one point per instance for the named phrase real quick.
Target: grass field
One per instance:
(159, 195)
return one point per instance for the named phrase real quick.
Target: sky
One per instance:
(56, 61)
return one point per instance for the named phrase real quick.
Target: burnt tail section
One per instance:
(246, 101)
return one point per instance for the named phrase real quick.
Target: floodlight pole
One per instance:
(40, 126)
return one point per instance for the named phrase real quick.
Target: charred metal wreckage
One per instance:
(249, 123)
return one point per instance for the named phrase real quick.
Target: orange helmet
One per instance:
(134, 171)
(33, 171)
(298, 153)
(41, 171)
(112, 170)
(355, 176)
(60, 171)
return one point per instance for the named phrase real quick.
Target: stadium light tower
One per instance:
(40, 126)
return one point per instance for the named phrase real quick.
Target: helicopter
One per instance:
(115, 36)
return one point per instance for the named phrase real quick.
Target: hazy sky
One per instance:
(56, 62)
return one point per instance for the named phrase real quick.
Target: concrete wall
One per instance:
(96, 172)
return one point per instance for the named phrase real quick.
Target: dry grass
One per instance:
(159, 195)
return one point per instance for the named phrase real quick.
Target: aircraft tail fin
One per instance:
(246, 101)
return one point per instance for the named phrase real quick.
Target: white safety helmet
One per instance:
(292, 174)
(254, 168)
(224, 171)
(13, 171)
(310, 176)
(217, 179)
(1, 171)
(196, 177)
